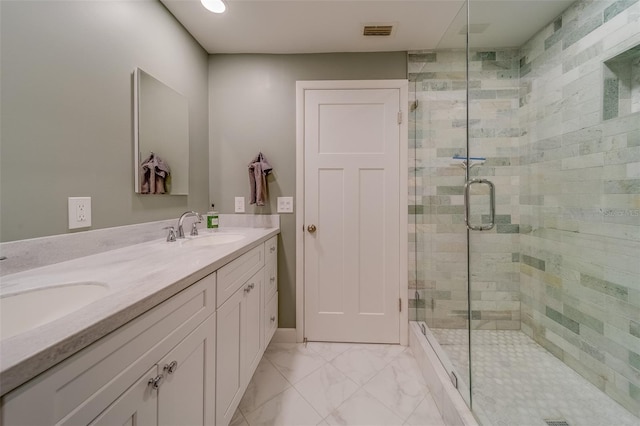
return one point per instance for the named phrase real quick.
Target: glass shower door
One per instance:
(439, 285)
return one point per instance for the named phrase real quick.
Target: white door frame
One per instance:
(301, 87)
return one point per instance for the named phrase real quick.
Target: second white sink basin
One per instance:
(20, 312)
(213, 239)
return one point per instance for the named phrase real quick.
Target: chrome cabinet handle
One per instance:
(467, 205)
(248, 288)
(171, 367)
(272, 279)
(272, 249)
(156, 382)
(311, 229)
(273, 318)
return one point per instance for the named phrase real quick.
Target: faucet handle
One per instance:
(172, 234)
(194, 229)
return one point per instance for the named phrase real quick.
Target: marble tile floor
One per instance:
(517, 382)
(337, 384)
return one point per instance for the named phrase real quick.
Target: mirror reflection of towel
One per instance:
(259, 168)
(155, 172)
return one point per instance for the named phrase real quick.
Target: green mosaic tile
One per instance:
(616, 8)
(423, 57)
(416, 209)
(610, 107)
(634, 391)
(634, 328)
(633, 138)
(507, 229)
(634, 360)
(606, 287)
(587, 320)
(563, 320)
(449, 190)
(534, 262)
(484, 56)
(557, 24)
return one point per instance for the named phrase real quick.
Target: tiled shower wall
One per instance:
(563, 262)
(580, 199)
(437, 209)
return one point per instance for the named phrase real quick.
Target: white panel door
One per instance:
(352, 198)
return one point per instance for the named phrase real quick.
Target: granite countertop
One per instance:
(139, 277)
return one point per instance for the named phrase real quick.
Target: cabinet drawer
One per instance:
(235, 273)
(81, 387)
(271, 249)
(270, 319)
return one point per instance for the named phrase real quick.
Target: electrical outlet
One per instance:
(285, 204)
(239, 204)
(79, 212)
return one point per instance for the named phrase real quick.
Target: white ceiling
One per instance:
(319, 26)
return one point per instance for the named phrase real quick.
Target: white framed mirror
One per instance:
(161, 137)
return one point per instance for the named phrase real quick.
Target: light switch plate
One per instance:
(285, 204)
(79, 212)
(239, 204)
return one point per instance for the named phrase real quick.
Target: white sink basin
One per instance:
(213, 239)
(20, 312)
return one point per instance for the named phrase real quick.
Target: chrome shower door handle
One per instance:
(467, 205)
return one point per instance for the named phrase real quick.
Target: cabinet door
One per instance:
(253, 326)
(137, 406)
(270, 279)
(229, 385)
(270, 319)
(187, 393)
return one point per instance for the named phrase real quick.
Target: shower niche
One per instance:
(621, 84)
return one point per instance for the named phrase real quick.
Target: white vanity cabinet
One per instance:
(109, 381)
(186, 361)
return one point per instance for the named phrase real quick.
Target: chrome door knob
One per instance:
(311, 228)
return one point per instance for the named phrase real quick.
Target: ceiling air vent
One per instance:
(377, 30)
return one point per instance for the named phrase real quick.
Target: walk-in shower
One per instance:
(530, 294)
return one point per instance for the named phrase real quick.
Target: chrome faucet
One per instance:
(194, 229)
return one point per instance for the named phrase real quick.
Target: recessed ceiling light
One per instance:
(215, 6)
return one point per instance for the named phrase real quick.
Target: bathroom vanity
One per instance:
(175, 340)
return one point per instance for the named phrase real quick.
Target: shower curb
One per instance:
(453, 409)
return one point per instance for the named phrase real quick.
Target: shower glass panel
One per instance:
(438, 287)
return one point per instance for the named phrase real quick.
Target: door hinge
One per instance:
(399, 117)
(400, 305)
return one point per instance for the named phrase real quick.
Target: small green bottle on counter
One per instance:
(212, 219)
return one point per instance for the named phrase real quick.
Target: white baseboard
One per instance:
(284, 335)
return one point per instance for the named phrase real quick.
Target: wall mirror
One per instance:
(161, 137)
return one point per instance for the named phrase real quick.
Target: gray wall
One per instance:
(252, 108)
(66, 102)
